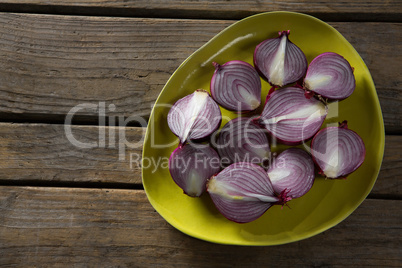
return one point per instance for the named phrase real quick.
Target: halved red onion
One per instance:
(331, 76)
(236, 86)
(280, 61)
(293, 171)
(194, 117)
(292, 116)
(241, 140)
(192, 165)
(242, 192)
(337, 151)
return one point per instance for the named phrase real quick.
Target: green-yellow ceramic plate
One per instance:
(328, 202)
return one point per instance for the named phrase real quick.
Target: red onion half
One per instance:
(292, 116)
(331, 76)
(242, 192)
(191, 166)
(280, 61)
(337, 151)
(194, 117)
(236, 86)
(292, 171)
(241, 140)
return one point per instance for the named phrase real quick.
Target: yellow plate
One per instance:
(328, 202)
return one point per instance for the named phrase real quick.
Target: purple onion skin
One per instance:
(236, 86)
(190, 167)
(330, 76)
(292, 171)
(242, 192)
(194, 117)
(280, 72)
(322, 149)
(241, 140)
(281, 102)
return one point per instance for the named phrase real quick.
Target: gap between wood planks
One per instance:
(127, 186)
(59, 119)
(83, 185)
(324, 12)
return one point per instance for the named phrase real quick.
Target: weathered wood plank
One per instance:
(389, 178)
(334, 10)
(388, 82)
(42, 153)
(119, 228)
(50, 64)
(38, 153)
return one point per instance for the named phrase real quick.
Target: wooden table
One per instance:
(65, 206)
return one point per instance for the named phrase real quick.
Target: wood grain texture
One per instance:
(389, 179)
(385, 69)
(119, 228)
(42, 154)
(222, 9)
(50, 64)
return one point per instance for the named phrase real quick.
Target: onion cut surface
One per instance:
(331, 76)
(280, 61)
(241, 140)
(292, 171)
(292, 116)
(192, 165)
(337, 151)
(236, 86)
(194, 117)
(242, 192)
